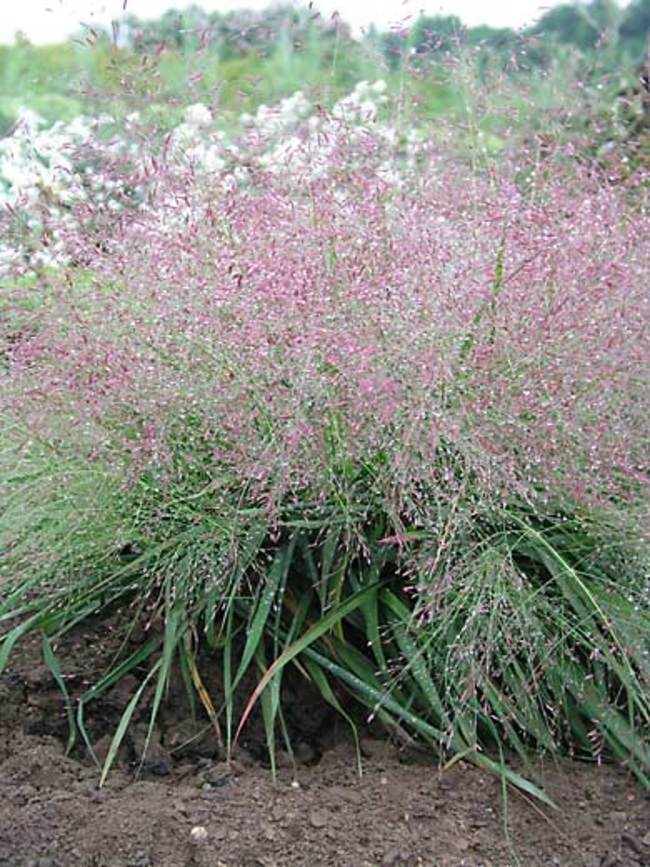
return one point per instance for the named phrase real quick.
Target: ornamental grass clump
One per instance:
(393, 435)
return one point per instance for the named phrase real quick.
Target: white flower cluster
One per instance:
(296, 136)
(271, 123)
(44, 173)
(32, 160)
(293, 135)
(362, 105)
(197, 141)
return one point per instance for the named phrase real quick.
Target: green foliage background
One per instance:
(238, 60)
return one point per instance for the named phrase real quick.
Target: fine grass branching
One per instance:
(376, 422)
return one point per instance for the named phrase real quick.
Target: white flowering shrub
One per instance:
(48, 177)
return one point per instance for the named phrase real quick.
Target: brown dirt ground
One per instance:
(188, 809)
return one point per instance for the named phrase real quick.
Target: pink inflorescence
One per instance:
(314, 326)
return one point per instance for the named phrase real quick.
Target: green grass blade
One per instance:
(322, 626)
(53, 664)
(115, 674)
(277, 576)
(319, 678)
(14, 635)
(270, 702)
(124, 723)
(174, 631)
(413, 655)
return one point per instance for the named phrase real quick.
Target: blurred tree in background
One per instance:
(243, 58)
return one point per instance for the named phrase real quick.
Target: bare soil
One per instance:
(182, 806)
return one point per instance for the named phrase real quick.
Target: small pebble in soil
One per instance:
(216, 781)
(319, 818)
(157, 768)
(199, 834)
